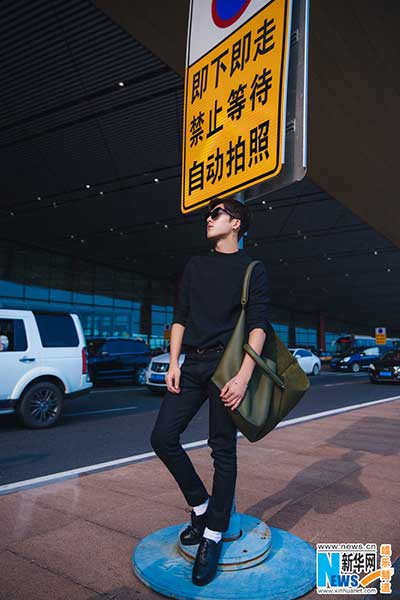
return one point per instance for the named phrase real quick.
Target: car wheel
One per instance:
(139, 377)
(41, 405)
(355, 367)
(315, 370)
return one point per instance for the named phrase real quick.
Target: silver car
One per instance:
(309, 362)
(157, 370)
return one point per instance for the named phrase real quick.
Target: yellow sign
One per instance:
(235, 98)
(380, 335)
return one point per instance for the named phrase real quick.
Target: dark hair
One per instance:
(237, 209)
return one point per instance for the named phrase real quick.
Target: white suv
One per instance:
(42, 362)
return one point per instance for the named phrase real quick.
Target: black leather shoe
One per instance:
(193, 533)
(206, 562)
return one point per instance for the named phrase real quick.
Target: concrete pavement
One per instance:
(335, 479)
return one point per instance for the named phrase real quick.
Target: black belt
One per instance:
(194, 350)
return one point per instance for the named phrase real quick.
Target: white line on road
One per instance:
(343, 383)
(56, 477)
(99, 412)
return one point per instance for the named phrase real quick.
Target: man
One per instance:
(3, 343)
(206, 314)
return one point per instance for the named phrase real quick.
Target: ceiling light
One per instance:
(263, 202)
(12, 214)
(156, 180)
(111, 229)
(304, 237)
(101, 193)
(87, 186)
(165, 226)
(375, 252)
(388, 270)
(270, 207)
(121, 83)
(121, 233)
(38, 198)
(72, 236)
(82, 241)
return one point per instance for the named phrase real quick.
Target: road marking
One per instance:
(99, 412)
(344, 383)
(62, 476)
(342, 374)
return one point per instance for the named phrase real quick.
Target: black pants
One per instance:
(176, 412)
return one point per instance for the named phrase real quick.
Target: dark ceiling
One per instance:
(90, 143)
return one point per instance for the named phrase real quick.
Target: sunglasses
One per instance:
(214, 214)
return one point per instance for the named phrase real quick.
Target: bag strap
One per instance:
(263, 365)
(246, 283)
(256, 357)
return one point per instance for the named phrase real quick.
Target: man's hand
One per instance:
(233, 391)
(172, 379)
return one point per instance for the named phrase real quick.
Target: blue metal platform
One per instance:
(262, 563)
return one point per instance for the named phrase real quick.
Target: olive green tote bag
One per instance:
(276, 385)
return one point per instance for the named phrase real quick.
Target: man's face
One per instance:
(222, 226)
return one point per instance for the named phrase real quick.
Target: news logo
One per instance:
(351, 568)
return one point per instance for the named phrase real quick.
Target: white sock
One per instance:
(201, 508)
(212, 535)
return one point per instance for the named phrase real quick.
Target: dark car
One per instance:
(116, 358)
(358, 359)
(386, 368)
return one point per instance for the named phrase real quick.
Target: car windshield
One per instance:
(94, 346)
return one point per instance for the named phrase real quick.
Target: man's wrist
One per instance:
(245, 376)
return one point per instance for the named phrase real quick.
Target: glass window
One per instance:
(12, 335)
(137, 346)
(57, 331)
(95, 346)
(371, 351)
(13, 290)
(306, 337)
(36, 292)
(125, 346)
(57, 295)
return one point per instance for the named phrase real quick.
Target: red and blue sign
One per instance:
(227, 12)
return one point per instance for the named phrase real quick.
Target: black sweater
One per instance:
(209, 298)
